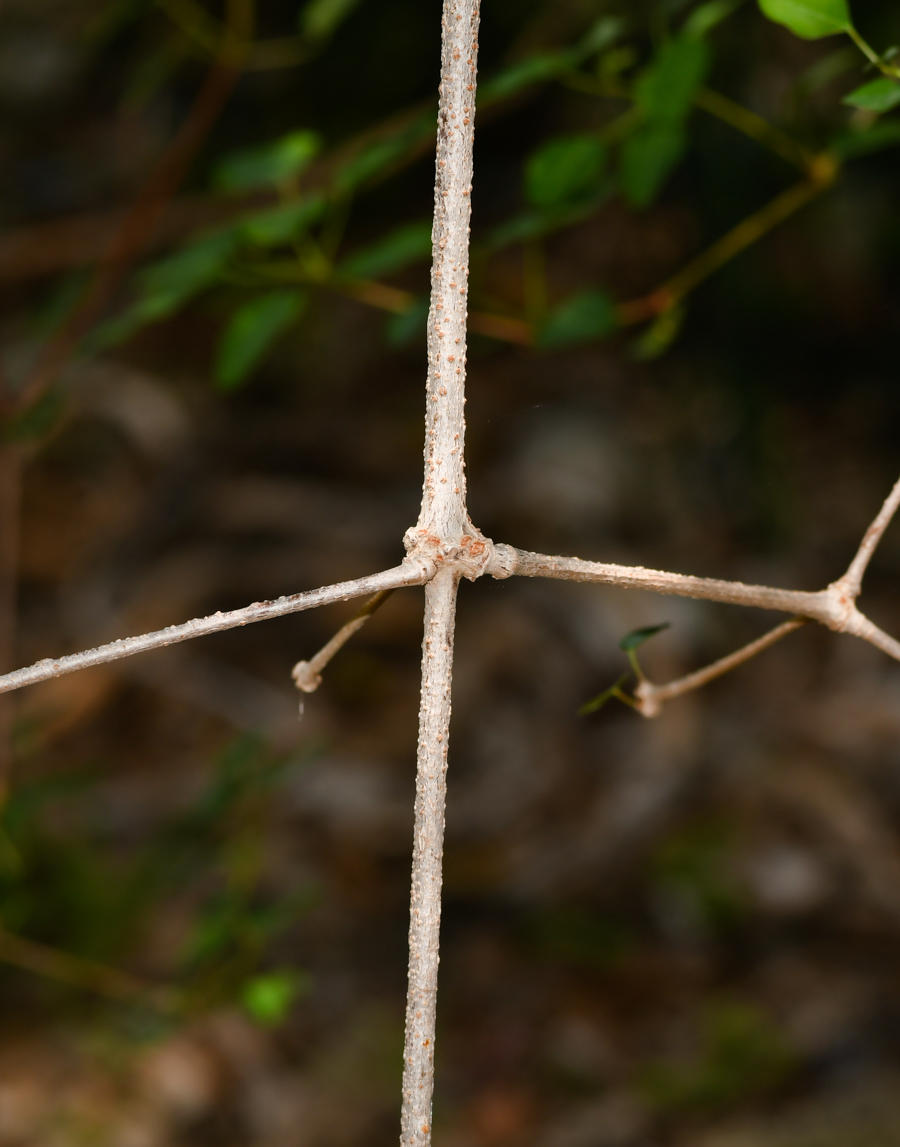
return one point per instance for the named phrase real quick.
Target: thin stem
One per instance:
(410, 573)
(738, 239)
(852, 579)
(428, 850)
(871, 55)
(308, 674)
(651, 698)
(54, 964)
(754, 126)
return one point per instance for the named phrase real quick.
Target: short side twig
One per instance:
(409, 573)
(852, 579)
(650, 698)
(307, 675)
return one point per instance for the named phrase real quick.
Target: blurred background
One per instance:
(213, 264)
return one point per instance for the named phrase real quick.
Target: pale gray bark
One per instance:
(428, 851)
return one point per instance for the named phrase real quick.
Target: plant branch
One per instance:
(738, 239)
(755, 127)
(411, 572)
(307, 675)
(852, 579)
(54, 964)
(649, 698)
(428, 850)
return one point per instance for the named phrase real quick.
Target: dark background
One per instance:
(681, 931)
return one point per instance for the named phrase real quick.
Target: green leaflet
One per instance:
(277, 225)
(273, 164)
(636, 638)
(646, 159)
(810, 19)
(269, 997)
(665, 90)
(581, 318)
(876, 96)
(405, 245)
(252, 330)
(565, 171)
(320, 18)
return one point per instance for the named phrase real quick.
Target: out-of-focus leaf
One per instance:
(278, 225)
(877, 138)
(637, 637)
(564, 171)
(876, 96)
(252, 330)
(272, 164)
(402, 329)
(318, 19)
(38, 420)
(523, 74)
(600, 35)
(398, 249)
(372, 160)
(166, 286)
(705, 17)
(665, 89)
(811, 19)
(269, 997)
(581, 318)
(647, 157)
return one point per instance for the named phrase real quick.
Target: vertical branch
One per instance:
(443, 513)
(428, 850)
(443, 530)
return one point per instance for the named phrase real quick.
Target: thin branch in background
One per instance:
(307, 675)
(54, 964)
(754, 127)
(649, 698)
(149, 205)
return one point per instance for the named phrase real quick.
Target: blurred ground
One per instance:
(673, 932)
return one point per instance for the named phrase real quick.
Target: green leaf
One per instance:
(811, 19)
(664, 91)
(320, 18)
(705, 17)
(637, 637)
(273, 164)
(373, 160)
(252, 330)
(269, 997)
(401, 247)
(404, 328)
(522, 74)
(876, 96)
(581, 318)
(278, 225)
(877, 138)
(647, 158)
(564, 171)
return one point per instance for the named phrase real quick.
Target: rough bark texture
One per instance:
(428, 850)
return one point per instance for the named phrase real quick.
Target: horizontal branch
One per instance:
(403, 575)
(527, 564)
